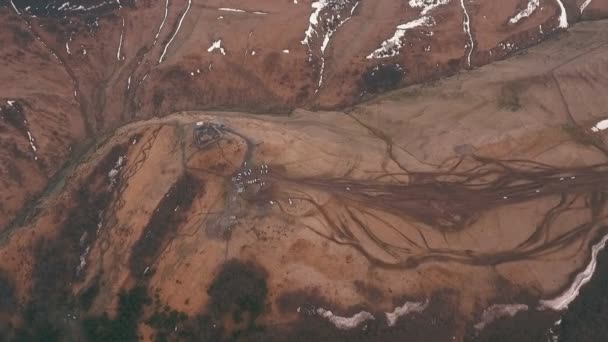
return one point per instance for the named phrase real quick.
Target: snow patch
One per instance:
(562, 301)
(217, 45)
(313, 21)
(526, 12)
(392, 46)
(329, 22)
(498, 311)
(345, 323)
(328, 16)
(116, 170)
(507, 46)
(405, 309)
(600, 126)
(563, 16)
(427, 5)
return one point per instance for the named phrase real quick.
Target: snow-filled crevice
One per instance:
(237, 10)
(119, 51)
(405, 309)
(526, 12)
(563, 15)
(393, 45)
(345, 323)
(20, 122)
(498, 311)
(562, 301)
(584, 5)
(162, 23)
(115, 171)
(327, 17)
(179, 25)
(466, 26)
(427, 5)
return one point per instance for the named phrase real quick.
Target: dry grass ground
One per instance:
(436, 192)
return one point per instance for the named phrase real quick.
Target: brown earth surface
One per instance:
(481, 190)
(101, 64)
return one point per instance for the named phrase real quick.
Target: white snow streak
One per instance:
(120, 41)
(584, 5)
(345, 323)
(231, 10)
(32, 143)
(15, 8)
(326, 39)
(562, 301)
(162, 23)
(563, 16)
(179, 25)
(466, 26)
(392, 46)
(498, 311)
(407, 308)
(225, 9)
(29, 135)
(526, 12)
(83, 260)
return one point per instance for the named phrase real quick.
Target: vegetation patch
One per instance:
(382, 77)
(58, 261)
(167, 322)
(508, 98)
(165, 220)
(237, 296)
(239, 289)
(8, 302)
(124, 326)
(86, 297)
(579, 135)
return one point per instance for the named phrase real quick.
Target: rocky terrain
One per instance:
(232, 170)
